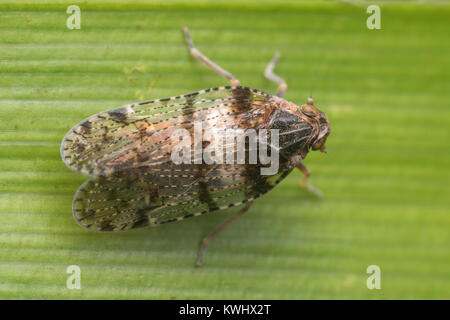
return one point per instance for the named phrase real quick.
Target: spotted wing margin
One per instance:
(138, 134)
(140, 197)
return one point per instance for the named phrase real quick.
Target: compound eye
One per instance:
(309, 110)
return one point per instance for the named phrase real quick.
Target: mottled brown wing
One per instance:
(145, 196)
(138, 135)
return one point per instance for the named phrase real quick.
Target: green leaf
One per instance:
(385, 177)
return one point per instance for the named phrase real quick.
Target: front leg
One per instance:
(304, 182)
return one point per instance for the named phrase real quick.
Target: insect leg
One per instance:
(269, 74)
(304, 181)
(219, 229)
(203, 59)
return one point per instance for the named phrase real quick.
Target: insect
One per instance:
(135, 182)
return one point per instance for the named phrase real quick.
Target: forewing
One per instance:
(140, 197)
(138, 135)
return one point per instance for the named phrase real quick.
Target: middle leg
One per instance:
(269, 74)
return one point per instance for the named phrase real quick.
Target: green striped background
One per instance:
(385, 178)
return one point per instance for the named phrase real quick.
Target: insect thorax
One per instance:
(294, 133)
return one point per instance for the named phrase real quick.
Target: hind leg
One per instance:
(219, 229)
(269, 74)
(204, 59)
